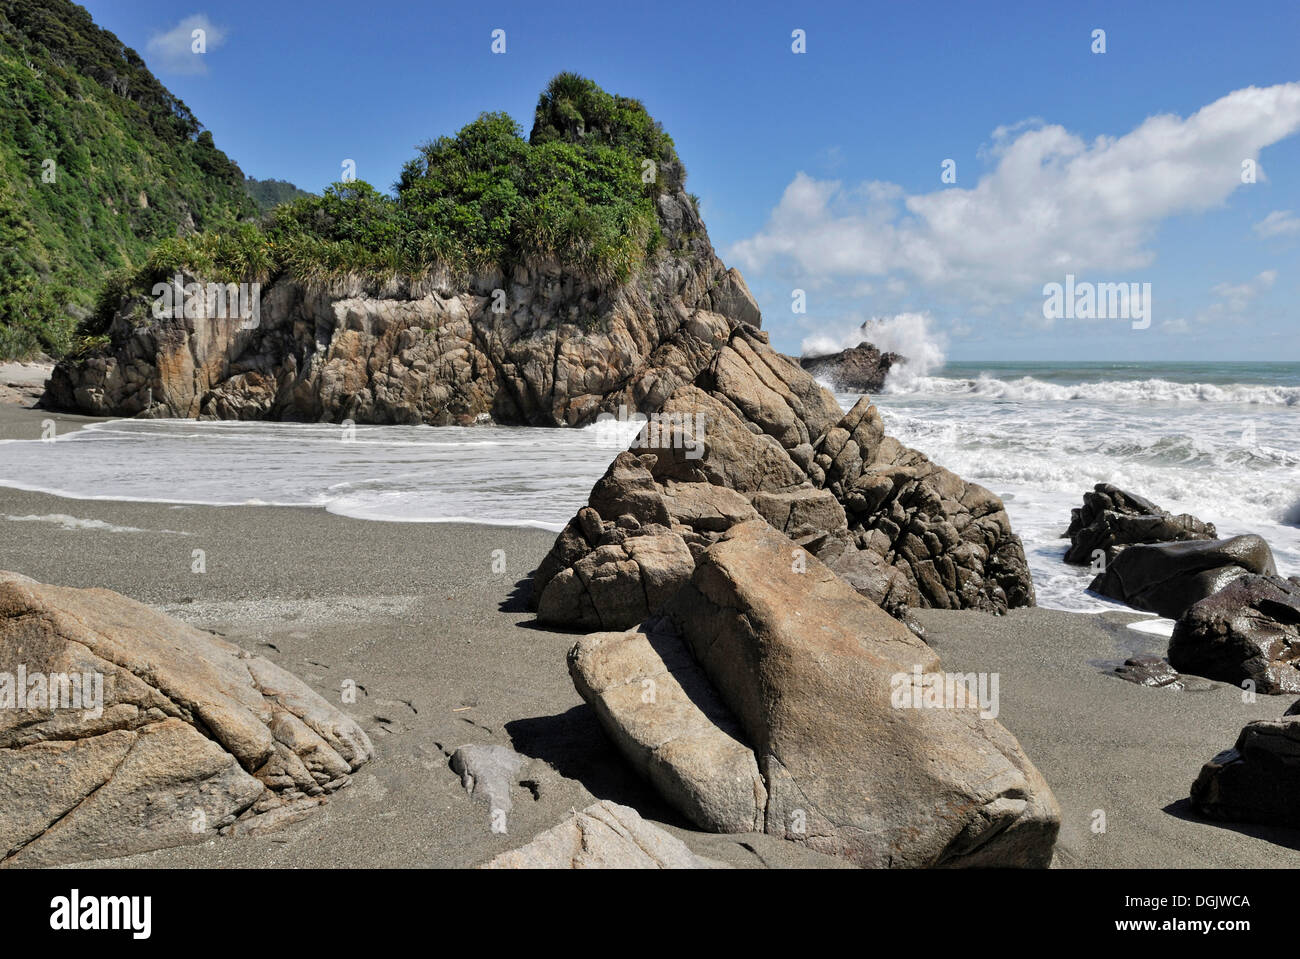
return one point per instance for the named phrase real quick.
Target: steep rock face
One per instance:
(859, 369)
(186, 735)
(539, 345)
(754, 436)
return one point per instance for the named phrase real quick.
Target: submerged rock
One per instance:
(1168, 578)
(1111, 519)
(767, 698)
(176, 734)
(859, 369)
(1149, 670)
(1249, 630)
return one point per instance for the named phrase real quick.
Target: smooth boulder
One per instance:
(1248, 631)
(1168, 578)
(182, 735)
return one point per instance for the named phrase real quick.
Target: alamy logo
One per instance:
(918, 690)
(50, 691)
(73, 912)
(213, 301)
(1098, 301)
(657, 431)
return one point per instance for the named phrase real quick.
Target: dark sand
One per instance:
(443, 651)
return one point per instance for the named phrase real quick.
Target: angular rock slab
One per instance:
(605, 835)
(1249, 630)
(1168, 578)
(1111, 519)
(808, 667)
(1258, 779)
(658, 707)
(193, 733)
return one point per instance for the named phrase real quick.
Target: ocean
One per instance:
(1221, 441)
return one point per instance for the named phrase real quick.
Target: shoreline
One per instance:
(445, 653)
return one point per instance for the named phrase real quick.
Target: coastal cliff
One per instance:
(585, 282)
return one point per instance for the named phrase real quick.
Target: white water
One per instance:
(1230, 453)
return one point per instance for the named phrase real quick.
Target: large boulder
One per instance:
(859, 369)
(1168, 578)
(657, 705)
(768, 697)
(1249, 630)
(755, 436)
(605, 835)
(1258, 779)
(135, 731)
(1111, 519)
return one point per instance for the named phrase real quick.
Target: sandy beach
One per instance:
(444, 652)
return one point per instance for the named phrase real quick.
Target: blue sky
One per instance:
(821, 171)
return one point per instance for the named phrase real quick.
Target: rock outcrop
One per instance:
(859, 369)
(605, 835)
(1168, 578)
(1111, 519)
(1249, 630)
(161, 735)
(537, 345)
(1258, 779)
(768, 697)
(755, 436)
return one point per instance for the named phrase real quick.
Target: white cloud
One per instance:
(173, 50)
(1052, 204)
(1236, 297)
(1278, 223)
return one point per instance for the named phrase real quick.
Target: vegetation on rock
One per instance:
(580, 190)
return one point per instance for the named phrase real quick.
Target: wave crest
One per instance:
(1119, 391)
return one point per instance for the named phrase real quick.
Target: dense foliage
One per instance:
(580, 190)
(98, 163)
(268, 194)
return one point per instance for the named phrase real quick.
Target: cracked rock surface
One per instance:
(773, 444)
(772, 706)
(193, 735)
(1111, 519)
(536, 344)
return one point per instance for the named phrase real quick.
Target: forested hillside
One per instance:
(98, 162)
